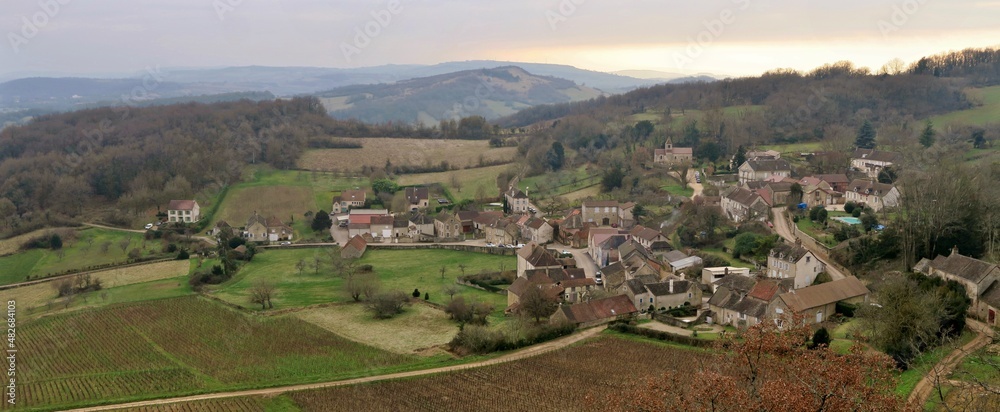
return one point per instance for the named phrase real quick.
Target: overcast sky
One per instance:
(731, 37)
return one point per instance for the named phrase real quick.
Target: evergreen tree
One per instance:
(740, 157)
(927, 136)
(321, 221)
(866, 136)
(555, 156)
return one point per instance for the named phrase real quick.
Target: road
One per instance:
(693, 184)
(941, 371)
(521, 354)
(781, 227)
(202, 238)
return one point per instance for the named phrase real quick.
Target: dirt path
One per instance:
(941, 371)
(521, 354)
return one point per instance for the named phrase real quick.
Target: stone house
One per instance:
(595, 312)
(815, 304)
(601, 212)
(787, 261)
(417, 198)
(742, 205)
(671, 155)
(873, 195)
(872, 162)
(763, 168)
(447, 226)
(348, 199)
(517, 201)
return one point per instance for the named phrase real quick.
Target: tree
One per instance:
(866, 136)
(978, 139)
(321, 221)
(740, 157)
(386, 305)
(261, 292)
(612, 178)
(461, 267)
(427, 296)
(384, 185)
(55, 242)
(416, 293)
(555, 156)
(451, 291)
(535, 304)
(820, 338)
(765, 371)
(458, 310)
(643, 129)
(638, 212)
(887, 175)
(300, 266)
(442, 270)
(124, 243)
(795, 194)
(362, 284)
(905, 321)
(927, 136)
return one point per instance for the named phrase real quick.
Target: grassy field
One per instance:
(717, 252)
(794, 148)
(470, 181)
(561, 380)
(284, 194)
(376, 151)
(402, 270)
(84, 251)
(579, 195)
(908, 379)
(134, 283)
(421, 327)
(816, 230)
(182, 345)
(560, 183)
(988, 112)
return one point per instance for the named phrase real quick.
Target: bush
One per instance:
(183, 255)
(795, 219)
(623, 327)
(416, 293)
(387, 305)
(814, 212)
(427, 296)
(821, 215)
(856, 212)
(683, 311)
(480, 339)
(135, 253)
(55, 242)
(846, 309)
(820, 338)
(849, 207)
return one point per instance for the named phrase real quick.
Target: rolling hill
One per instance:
(491, 93)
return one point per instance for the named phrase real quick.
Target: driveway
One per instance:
(583, 259)
(782, 229)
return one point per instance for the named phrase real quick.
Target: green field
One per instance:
(559, 183)
(85, 251)
(794, 148)
(179, 346)
(402, 270)
(285, 194)
(480, 180)
(988, 112)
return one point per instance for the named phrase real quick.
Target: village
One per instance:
(601, 266)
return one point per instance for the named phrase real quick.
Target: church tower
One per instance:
(669, 145)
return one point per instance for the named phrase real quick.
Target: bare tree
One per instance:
(456, 182)
(125, 243)
(537, 304)
(461, 267)
(105, 247)
(451, 291)
(363, 284)
(442, 272)
(300, 266)
(388, 304)
(261, 292)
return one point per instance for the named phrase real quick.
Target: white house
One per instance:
(791, 261)
(186, 211)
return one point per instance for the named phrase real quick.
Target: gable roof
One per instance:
(357, 243)
(876, 155)
(868, 187)
(635, 286)
(663, 288)
(487, 218)
(598, 309)
(256, 219)
(745, 197)
(809, 297)
(466, 215)
(992, 295)
(600, 203)
(645, 233)
(965, 267)
(537, 256)
(421, 219)
(737, 282)
(833, 178)
(765, 290)
(352, 196)
(768, 165)
(516, 193)
(381, 220)
(416, 194)
(182, 205)
(739, 302)
(536, 223)
(674, 256)
(789, 252)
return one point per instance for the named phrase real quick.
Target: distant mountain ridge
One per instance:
(491, 93)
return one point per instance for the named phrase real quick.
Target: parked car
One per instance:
(285, 243)
(519, 245)
(149, 226)
(491, 245)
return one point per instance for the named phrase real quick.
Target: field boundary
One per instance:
(93, 270)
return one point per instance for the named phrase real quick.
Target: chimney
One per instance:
(727, 271)
(671, 283)
(954, 250)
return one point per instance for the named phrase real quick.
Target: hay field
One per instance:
(414, 152)
(419, 328)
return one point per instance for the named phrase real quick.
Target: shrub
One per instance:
(849, 207)
(846, 309)
(135, 253)
(388, 304)
(795, 219)
(427, 296)
(820, 338)
(183, 255)
(856, 212)
(821, 215)
(416, 293)
(55, 242)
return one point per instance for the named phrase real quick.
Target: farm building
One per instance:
(595, 312)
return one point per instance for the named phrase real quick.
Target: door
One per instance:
(819, 317)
